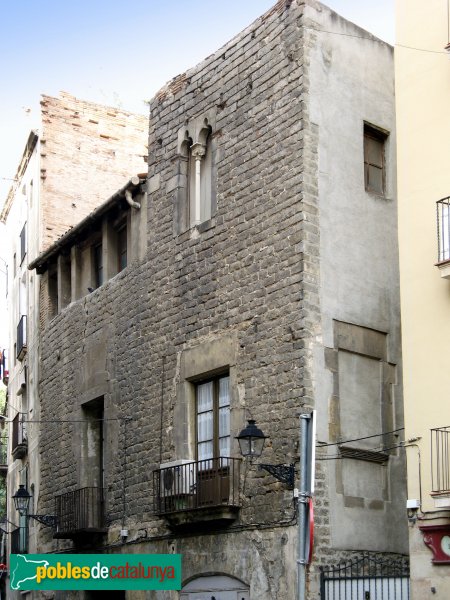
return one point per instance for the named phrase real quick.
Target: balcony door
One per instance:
(94, 444)
(93, 464)
(213, 440)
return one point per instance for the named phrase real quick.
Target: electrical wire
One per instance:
(374, 39)
(421, 49)
(322, 445)
(73, 420)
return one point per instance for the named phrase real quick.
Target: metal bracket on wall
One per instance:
(47, 520)
(284, 473)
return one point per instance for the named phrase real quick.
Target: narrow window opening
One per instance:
(122, 255)
(98, 265)
(374, 160)
(52, 293)
(200, 180)
(94, 444)
(23, 243)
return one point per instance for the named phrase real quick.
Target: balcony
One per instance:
(80, 513)
(21, 338)
(19, 541)
(19, 436)
(443, 236)
(196, 492)
(3, 455)
(440, 466)
(4, 366)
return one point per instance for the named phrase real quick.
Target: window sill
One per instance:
(377, 195)
(20, 451)
(194, 231)
(362, 454)
(441, 499)
(444, 268)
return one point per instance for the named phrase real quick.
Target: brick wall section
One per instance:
(88, 152)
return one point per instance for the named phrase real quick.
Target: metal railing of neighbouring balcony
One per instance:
(3, 451)
(440, 459)
(443, 229)
(22, 337)
(19, 541)
(19, 431)
(80, 511)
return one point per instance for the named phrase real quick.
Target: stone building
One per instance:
(81, 152)
(260, 282)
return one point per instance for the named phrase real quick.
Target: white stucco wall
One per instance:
(352, 82)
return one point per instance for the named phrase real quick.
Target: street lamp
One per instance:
(251, 443)
(251, 440)
(22, 502)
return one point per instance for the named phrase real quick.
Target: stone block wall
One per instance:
(240, 277)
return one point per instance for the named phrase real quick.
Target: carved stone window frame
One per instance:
(196, 142)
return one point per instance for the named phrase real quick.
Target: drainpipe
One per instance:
(303, 508)
(131, 202)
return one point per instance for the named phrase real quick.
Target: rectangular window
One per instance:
(23, 243)
(98, 265)
(53, 299)
(374, 160)
(93, 464)
(213, 418)
(122, 248)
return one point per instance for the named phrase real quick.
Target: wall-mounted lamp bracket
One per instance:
(284, 473)
(47, 520)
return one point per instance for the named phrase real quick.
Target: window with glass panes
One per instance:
(374, 167)
(213, 418)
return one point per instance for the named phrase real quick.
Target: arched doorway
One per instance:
(215, 587)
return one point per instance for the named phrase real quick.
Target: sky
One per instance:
(119, 53)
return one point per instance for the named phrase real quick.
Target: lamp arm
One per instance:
(284, 473)
(47, 520)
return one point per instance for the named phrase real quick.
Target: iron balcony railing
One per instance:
(22, 337)
(80, 511)
(440, 460)
(19, 541)
(19, 436)
(196, 485)
(443, 228)
(4, 366)
(3, 452)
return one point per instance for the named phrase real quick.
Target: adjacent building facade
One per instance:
(80, 151)
(423, 117)
(252, 274)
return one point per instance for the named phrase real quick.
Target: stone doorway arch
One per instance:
(215, 587)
